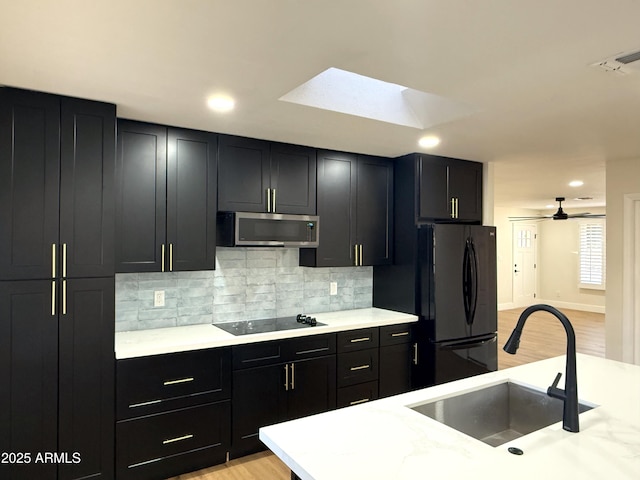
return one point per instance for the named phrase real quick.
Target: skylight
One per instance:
(347, 92)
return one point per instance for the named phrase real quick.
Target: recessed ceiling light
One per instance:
(221, 103)
(576, 183)
(429, 141)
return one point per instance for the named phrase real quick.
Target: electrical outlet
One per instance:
(333, 288)
(158, 298)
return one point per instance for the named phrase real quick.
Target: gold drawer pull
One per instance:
(400, 334)
(144, 404)
(356, 402)
(182, 380)
(361, 367)
(177, 439)
(363, 339)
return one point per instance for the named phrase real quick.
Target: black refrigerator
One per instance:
(445, 274)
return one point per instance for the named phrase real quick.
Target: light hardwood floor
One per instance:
(543, 337)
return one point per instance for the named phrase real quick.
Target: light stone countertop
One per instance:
(141, 343)
(386, 440)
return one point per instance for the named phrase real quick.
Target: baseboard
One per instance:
(506, 306)
(584, 307)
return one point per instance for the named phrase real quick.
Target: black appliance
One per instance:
(235, 229)
(248, 327)
(446, 274)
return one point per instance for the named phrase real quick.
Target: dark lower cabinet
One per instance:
(282, 388)
(174, 442)
(398, 359)
(56, 342)
(173, 412)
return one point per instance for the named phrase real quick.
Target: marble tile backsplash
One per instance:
(247, 284)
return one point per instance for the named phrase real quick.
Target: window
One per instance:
(592, 254)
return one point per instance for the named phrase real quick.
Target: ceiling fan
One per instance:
(560, 214)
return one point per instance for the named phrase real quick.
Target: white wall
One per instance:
(557, 262)
(623, 178)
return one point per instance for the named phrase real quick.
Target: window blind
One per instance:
(592, 255)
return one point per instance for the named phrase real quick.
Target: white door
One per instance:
(524, 263)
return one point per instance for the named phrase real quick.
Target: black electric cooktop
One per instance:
(268, 325)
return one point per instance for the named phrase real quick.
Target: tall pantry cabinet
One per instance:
(57, 159)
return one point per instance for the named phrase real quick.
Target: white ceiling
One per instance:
(544, 115)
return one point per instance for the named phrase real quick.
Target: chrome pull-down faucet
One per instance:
(570, 393)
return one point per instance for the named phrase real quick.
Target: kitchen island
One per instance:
(386, 439)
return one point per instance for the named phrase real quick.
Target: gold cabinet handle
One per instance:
(53, 297)
(171, 257)
(356, 402)
(400, 334)
(64, 260)
(293, 376)
(415, 353)
(453, 207)
(362, 339)
(177, 439)
(286, 377)
(360, 367)
(64, 297)
(268, 200)
(361, 262)
(355, 254)
(163, 257)
(181, 380)
(274, 201)
(53, 260)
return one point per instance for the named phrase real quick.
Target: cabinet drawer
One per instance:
(360, 339)
(308, 347)
(178, 441)
(357, 367)
(257, 354)
(395, 334)
(156, 383)
(356, 394)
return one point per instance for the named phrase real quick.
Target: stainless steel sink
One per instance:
(498, 413)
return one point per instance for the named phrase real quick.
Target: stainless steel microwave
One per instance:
(237, 229)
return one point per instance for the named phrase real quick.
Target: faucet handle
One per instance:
(554, 391)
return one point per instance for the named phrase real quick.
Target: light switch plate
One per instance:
(333, 288)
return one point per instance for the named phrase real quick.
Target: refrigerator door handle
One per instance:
(474, 279)
(463, 345)
(466, 283)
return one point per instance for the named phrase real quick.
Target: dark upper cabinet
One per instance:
(448, 189)
(165, 198)
(56, 186)
(260, 176)
(57, 357)
(355, 205)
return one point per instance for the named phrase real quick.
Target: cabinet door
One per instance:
(86, 372)
(312, 386)
(141, 165)
(396, 364)
(465, 184)
(293, 179)
(88, 146)
(434, 202)
(29, 371)
(191, 199)
(337, 209)
(374, 219)
(29, 183)
(257, 401)
(243, 174)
